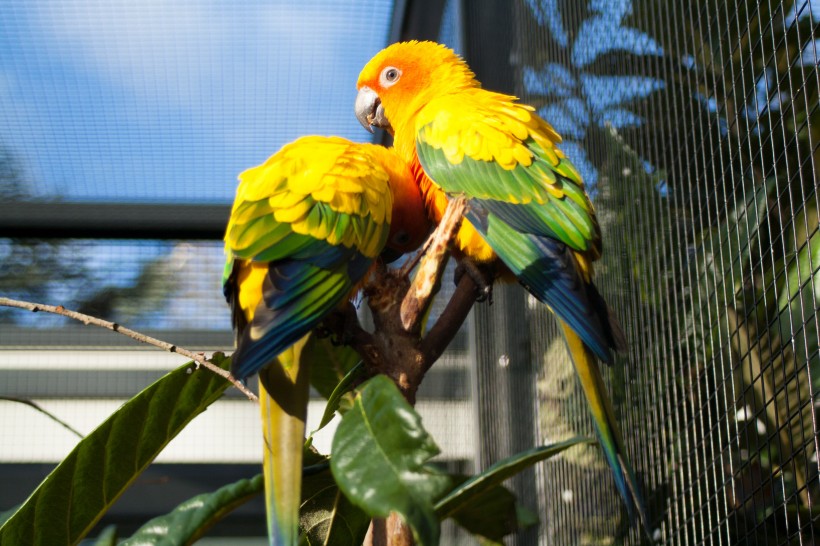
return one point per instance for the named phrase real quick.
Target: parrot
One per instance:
(305, 228)
(526, 205)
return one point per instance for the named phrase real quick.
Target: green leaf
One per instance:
(487, 542)
(798, 297)
(525, 516)
(335, 398)
(336, 361)
(480, 484)
(67, 504)
(379, 451)
(189, 521)
(327, 517)
(8, 513)
(107, 537)
(492, 514)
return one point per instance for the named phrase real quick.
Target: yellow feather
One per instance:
(571, 168)
(351, 179)
(551, 156)
(483, 126)
(305, 182)
(505, 158)
(473, 244)
(522, 155)
(348, 181)
(285, 200)
(258, 183)
(294, 213)
(326, 193)
(241, 236)
(585, 266)
(249, 282)
(244, 212)
(555, 191)
(315, 224)
(347, 203)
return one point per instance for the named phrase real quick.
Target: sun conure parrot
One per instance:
(305, 227)
(526, 202)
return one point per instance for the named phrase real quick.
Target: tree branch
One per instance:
(396, 348)
(199, 358)
(450, 320)
(427, 278)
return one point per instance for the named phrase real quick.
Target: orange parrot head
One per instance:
(402, 78)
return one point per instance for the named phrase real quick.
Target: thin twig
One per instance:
(45, 412)
(429, 273)
(142, 338)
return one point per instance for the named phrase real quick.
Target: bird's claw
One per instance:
(339, 325)
(481, 274)
(485, 294)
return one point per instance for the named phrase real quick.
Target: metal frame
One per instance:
(113, 220)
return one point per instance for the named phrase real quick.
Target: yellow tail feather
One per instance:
(609, 433)
(283, 397)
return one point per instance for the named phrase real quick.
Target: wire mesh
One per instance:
(695, 126)
(169, 101)
(155, 103)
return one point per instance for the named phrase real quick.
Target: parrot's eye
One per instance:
(390, 75)
(401, 238)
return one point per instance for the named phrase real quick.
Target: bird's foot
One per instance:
(341, 326)
(482, 274)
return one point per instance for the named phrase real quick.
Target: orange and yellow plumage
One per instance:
(305, 227)
(526, 203)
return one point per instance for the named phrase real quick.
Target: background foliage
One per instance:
(697, 125)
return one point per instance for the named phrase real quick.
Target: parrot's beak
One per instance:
(369, 110)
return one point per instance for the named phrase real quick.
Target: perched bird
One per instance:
(305, 228)
(526, 203)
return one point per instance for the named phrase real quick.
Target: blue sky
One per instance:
(166, 99)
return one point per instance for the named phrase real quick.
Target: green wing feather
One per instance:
(534, 187)
(568, 218)
(319, 188)
(526, 203)
(315, 215)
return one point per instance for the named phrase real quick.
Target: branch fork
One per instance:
(399, 305)
(396, 347)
